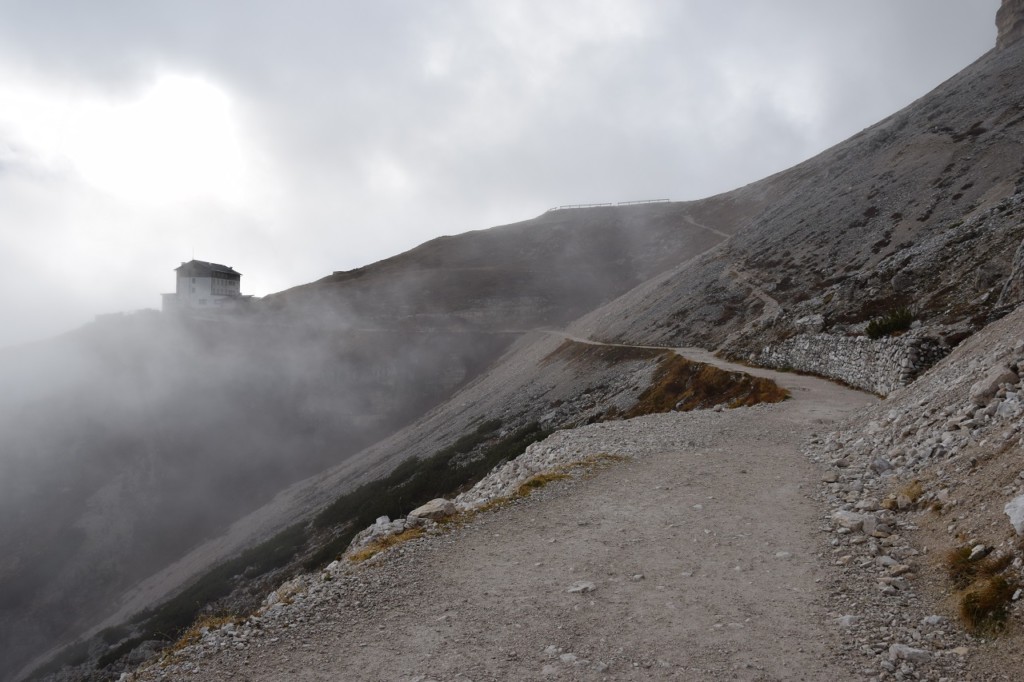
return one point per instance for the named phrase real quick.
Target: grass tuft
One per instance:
(896, 320)
(985, 605)
(962, 572)
(984, 593)
(377, 546)
(195, 633)
(539, 481)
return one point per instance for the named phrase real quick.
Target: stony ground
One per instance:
(705, 555)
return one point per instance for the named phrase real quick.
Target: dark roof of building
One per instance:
(201, 268)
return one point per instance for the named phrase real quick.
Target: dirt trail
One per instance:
(703, 551)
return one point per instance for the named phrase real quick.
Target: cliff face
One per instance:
(1010, 23)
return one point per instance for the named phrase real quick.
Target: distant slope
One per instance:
(544, 271)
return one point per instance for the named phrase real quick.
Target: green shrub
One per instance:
(170, 619)
(897, 320)
(415, 481)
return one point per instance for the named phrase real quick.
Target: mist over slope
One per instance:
(128, 442)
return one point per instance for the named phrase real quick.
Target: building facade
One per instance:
(204, 286)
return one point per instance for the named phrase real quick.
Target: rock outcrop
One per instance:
(1009, 23)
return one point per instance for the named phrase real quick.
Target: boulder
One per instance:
(849, 519)
(436, 509)
(1015, 510)
(986, 388)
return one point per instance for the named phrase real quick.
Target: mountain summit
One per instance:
(1010, 23)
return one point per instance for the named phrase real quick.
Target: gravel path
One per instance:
(699, 558)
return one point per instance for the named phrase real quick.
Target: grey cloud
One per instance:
(496, 111)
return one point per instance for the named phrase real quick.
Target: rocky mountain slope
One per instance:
(868, 263)
(922, 210)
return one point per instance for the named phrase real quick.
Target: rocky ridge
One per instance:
(1009, 23)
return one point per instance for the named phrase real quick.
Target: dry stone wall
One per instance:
(880, 366)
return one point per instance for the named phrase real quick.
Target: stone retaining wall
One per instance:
(880, 366)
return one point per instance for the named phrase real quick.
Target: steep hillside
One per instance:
(922, 210)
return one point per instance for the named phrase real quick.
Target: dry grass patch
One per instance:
(377, 546)
(912, 491)
(572, 352)
(195, 633)
(984, 607)
(962, 571)
(983, 593)
(682, 385)
(539, 481)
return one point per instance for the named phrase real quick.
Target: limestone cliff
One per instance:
(1010, 23)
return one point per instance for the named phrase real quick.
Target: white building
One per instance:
(204, 286)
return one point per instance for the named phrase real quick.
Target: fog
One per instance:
(126, 443)
(290, 141)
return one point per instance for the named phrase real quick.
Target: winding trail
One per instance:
(703, 550)
(702, 226)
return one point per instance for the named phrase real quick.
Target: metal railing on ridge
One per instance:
(621, 203)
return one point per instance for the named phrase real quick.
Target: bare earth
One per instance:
(705, 558)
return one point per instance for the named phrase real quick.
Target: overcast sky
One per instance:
(293, 139)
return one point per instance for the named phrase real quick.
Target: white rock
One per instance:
(581, 587)
(848, 519)
(984, 389)
(1015, 510)
(902, 652)
(438, 508)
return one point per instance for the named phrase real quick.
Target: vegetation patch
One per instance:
(985, 605)
(195, 633)
(377, 546)
(72, 655)
(895, 321)
(585, 353)
(682, 385)
(539, 481)
(962, 572)
(984, 592)
(175, 616)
